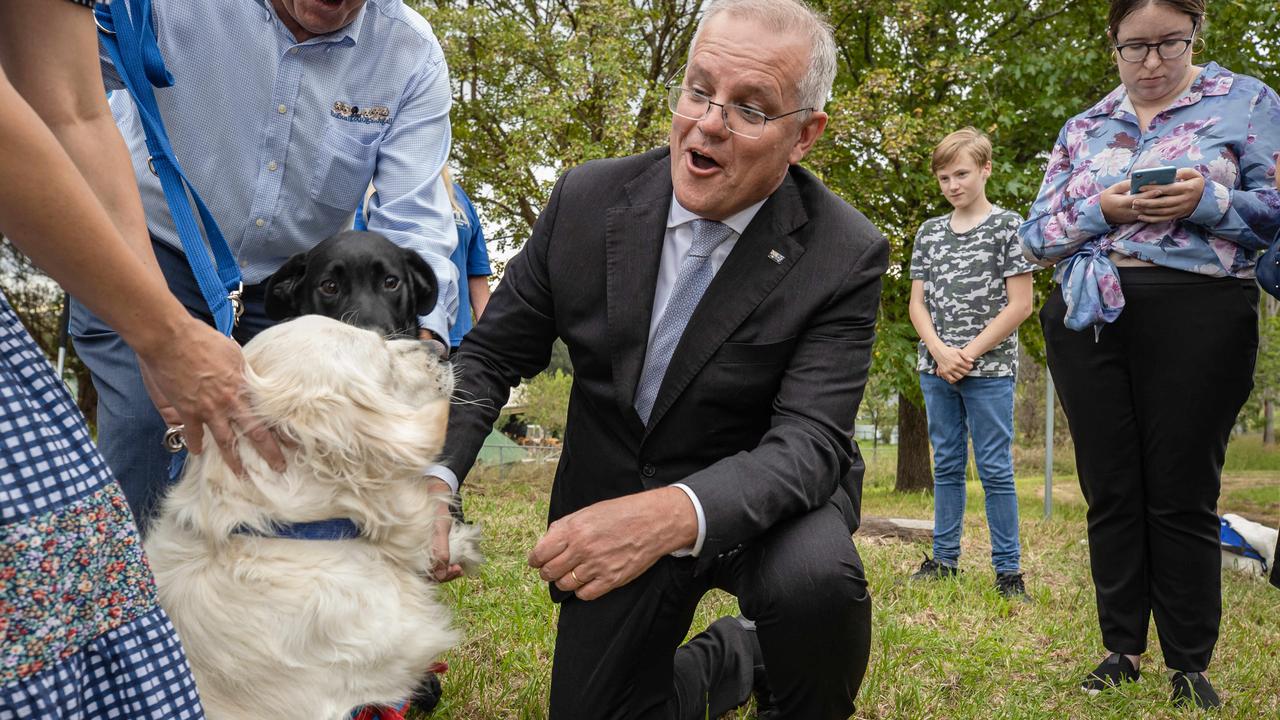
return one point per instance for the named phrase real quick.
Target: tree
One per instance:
(546, 400)
(37, 301)
(880, 406)
(543, 85)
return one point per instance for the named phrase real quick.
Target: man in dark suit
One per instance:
(718, 368)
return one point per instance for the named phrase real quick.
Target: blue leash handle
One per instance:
(129, 37)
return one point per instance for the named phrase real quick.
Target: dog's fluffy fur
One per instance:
(310, 629)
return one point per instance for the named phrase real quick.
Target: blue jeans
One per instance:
(981, 407)
(130, 428)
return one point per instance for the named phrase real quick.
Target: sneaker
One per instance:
(1115, 669)
(1010, 585)
(931, 569)
(1193, 688)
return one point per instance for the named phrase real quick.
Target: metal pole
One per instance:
(1048, 445)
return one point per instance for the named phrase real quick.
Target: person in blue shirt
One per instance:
(280, 137)
(471, 257)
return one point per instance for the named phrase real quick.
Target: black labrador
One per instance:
(360, 278)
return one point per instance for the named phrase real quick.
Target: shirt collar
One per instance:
(678, 215)
(348, 34)
(1212, 80)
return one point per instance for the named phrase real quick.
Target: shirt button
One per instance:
(293, 51)
(648, 470)
(259, 222)
(282, 109)
(272, 166)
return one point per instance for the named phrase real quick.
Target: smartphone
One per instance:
(1162, 175)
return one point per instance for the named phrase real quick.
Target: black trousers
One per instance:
(803, 584)
(1150, 405)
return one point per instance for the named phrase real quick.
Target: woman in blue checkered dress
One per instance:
(81, 634)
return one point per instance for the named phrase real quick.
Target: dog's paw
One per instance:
(464, 546)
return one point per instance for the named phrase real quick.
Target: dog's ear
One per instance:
(423, 282)
(284, 286)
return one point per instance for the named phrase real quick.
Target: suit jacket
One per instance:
(756, 411)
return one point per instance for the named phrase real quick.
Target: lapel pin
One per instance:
(776, 256)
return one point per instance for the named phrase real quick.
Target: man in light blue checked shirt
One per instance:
(281, 114)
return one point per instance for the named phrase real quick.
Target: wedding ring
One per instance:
(575, 577)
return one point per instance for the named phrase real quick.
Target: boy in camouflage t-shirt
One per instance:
(970, 290)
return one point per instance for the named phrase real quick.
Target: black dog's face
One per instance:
(360, 278)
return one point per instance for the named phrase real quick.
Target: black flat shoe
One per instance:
(1193, 689)
(1112, 671)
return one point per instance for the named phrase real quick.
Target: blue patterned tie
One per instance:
(692, 280)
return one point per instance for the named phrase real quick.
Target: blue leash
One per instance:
(126, 32)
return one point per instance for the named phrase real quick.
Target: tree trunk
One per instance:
(913, 448)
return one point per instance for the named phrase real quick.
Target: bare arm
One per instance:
(478, 286)
(953, 364)
(55, 216)
(1006, 322)
(70, 103)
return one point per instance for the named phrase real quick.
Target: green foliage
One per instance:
(544, 85)
(546, 400)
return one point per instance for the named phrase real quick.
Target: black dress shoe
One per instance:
(765, 706)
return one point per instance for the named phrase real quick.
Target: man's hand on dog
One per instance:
(441, 568)
(439, 348)
(200, 381)
(607, 545)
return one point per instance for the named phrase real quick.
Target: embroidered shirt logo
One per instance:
(372, 114)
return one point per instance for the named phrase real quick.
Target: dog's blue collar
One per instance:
(336, 529)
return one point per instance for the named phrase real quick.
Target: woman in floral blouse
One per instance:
(1152, 332)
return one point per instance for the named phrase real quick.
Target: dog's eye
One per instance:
(329, 287)
(391, 282)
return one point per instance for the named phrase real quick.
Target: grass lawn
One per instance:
(952, 651)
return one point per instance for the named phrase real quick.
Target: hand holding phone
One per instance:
(1162, 175)
(1172, 201)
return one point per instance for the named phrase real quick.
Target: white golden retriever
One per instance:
(278, 627)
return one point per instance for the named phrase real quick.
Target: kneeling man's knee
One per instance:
(818, 581)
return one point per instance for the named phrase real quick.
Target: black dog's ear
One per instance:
(283, 288)
(423, 280)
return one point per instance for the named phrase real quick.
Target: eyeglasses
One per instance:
(740, 120)
(1166, 49)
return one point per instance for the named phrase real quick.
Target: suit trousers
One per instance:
(130, 428)
(802, 582)
(1151, 404)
